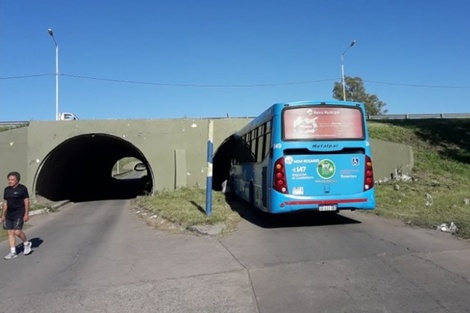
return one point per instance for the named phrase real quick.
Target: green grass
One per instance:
(186, 207)
(441, 176)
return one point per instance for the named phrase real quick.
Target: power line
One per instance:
(136, 82)
(25, 76)
(417, 85)
(198, 85)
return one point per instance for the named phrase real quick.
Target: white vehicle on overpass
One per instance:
(66, 116)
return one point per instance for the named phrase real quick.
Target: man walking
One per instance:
(15, 211)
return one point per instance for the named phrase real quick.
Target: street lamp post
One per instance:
(342, 68)
(51, 33)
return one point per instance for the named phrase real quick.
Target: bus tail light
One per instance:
(280, 183)
(369, 174)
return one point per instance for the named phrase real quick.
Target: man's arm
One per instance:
(26, 210)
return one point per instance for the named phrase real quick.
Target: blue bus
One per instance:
(305, 155)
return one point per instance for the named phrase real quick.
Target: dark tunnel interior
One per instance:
(80, 169)
(222, 162)
(232, 149)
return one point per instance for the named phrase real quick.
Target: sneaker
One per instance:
(27, 248)
(10, 256)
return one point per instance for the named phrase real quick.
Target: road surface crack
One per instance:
(248, 273)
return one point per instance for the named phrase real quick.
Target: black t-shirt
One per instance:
(15, 200)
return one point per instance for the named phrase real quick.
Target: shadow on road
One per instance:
(35, 243)
(300, 219)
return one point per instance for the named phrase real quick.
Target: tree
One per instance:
(355, 91)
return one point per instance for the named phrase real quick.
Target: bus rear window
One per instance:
(322, 123)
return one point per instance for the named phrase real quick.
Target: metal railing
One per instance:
(417, 116)
(13, 123)
(369, 117)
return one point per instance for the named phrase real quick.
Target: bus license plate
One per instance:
(328, 207)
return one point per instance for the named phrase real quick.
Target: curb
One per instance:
(211, 230)
(54, 207)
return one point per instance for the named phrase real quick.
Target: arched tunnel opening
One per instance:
(228, 151)
(86, 168)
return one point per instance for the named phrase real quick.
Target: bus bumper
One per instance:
(289, 203)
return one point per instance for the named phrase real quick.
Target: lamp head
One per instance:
(353, 43)
(51, 33)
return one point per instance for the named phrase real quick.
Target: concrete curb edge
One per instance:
(54, 207)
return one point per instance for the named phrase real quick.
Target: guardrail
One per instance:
(369, 117)
(13, 123)
(417, 116)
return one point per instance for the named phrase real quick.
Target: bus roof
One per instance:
(318, 102)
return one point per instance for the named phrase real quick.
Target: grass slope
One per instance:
(440, 190)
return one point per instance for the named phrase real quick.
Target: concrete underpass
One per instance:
(80, 169)
(74, 160)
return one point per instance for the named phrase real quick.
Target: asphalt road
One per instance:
(100, 257)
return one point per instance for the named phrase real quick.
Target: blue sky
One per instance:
(209, 58)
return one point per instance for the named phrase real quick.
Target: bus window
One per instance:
(254, 143)
(259, 151)
(267, 140)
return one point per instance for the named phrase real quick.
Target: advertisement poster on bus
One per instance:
(323, 123)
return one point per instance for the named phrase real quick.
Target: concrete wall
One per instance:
(14, 154)
(174, 148)
(163, 142)
(389, 157)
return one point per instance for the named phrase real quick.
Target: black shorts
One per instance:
(13, 223)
